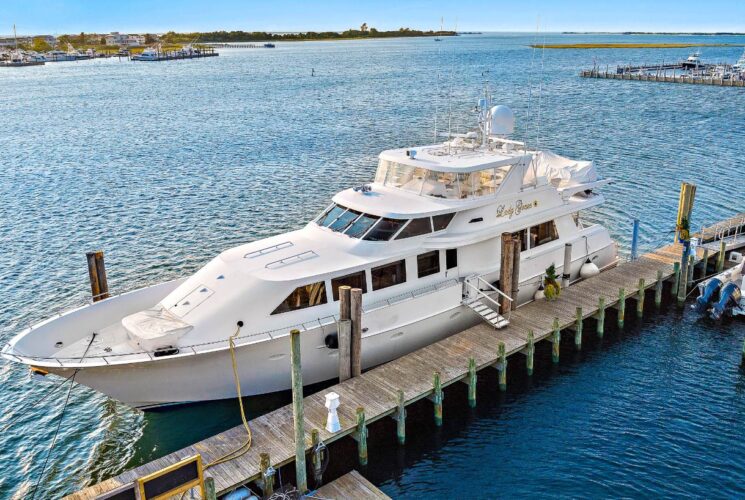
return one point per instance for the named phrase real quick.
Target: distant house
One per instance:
(124, 40)
(9, 41)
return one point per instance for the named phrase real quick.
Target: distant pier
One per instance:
(241, 45)
(671, 73)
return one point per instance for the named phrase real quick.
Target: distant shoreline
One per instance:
(630, 45)
(666, 33)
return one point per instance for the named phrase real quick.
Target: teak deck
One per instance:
(351, 485)
(376, 390)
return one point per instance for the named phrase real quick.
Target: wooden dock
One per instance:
(351, 485)
(646, 77)
(386, 390)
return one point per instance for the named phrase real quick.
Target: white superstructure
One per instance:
(422, 241)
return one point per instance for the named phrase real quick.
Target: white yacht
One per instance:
(149, 54)
(422, 241)
(693, 61)
(739, 66)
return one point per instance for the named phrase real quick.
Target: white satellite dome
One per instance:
(501, 120)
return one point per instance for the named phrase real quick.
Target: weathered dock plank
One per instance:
(351, 485)
(376, 390)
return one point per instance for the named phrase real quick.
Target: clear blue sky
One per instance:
(74, 16)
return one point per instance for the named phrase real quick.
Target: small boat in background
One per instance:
(693, 61)
(721, 295)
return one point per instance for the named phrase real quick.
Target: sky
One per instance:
(157, 16)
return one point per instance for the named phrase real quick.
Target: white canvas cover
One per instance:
(154, 328)
(561, 171)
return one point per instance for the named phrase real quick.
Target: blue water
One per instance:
(165, 165)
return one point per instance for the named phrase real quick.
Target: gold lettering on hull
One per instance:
(515, 209)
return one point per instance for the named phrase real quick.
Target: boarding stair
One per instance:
(482, 303)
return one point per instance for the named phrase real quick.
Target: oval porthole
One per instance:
(275, 357)
(58, 345)
(396, 335)
(455, 315)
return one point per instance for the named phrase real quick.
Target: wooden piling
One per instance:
(683, 281)
(437, 398)
(578, 329)
(600, 316)
(97, 275)
(640, 299)
(401, 418)
(267, 475)
(555, 341)
(297, 411)
(505, 273)
(743, 351)
(317, 460)
(705, 263)
(361, 436)
(502, 367)
(530, 353)
(721, 255)
(685, 207)
(516, 249)
(356, 344)
(209, 488)
(621, 307)
(344, 333)
(345, 302)
(472, 382)
(691, 268)
(676, 279)
(658, 287)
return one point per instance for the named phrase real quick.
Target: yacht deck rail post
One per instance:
(502, 367)
(356, 344)
(640, 299)
(437, 397)
(297, 412)
(505, 273)
(400, 417)
(360, 436)
(658, 286)
(600, 316)
(676, 279)
(566, 270)
(530, 353)
(578, 329)
(555, 341)
(621, 307)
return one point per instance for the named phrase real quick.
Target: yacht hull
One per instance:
(263, 367)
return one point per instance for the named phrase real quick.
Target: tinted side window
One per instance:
(442, 221)
(384, 229)
(451, 258)
(389, 275)
(354, 280)
(304, 296)
(543, 233)
(415, 227)
(428, 263)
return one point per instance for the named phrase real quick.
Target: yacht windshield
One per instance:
(370, 227)
(448, 185)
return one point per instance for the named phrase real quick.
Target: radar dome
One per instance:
(501, 120)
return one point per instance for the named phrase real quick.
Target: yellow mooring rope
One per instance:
(243, 449)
